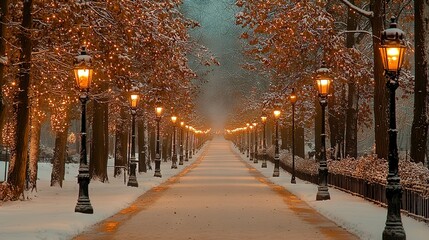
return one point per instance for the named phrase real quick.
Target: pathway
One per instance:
(218, 197)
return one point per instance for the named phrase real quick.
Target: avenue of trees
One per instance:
(287, 40)
(136, 45)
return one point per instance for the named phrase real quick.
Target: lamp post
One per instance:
(187, 144)
(132, 180)
(251, 142)
(190, 141)
(264, 144)
(182, 125)
(247, 138)
(293, 99)
(392, 51)
(323, 81)
(158, 111)
(276, 172)
(255, 154)
(194, 145)
(174, 157)
(243, 139)
(83, 74)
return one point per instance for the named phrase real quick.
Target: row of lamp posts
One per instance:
(83, 71)
(392, 51)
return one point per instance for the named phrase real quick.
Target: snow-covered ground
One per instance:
(363, 218)
(49, 212)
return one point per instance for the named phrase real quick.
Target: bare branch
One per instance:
(365, 13)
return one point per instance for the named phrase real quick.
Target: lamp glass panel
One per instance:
(323, 86)
(83, 77)
(158, 111)
(392, 57)
(133, 100)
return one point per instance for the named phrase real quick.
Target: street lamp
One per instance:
(292, 99)
(83, 74)
(251, 142)
(187, 144)
(323, 81)
(132, 180)
(264, 144)
(174, 158)
(182, 125)
(392, 51)
(191, 139)
(255, 154)
(276, 172)
(248, 138)
(158, 111)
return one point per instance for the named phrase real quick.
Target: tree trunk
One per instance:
(299, 142)
(16, 179)
(58, 160)
(4, 20)
(341, 124)
(152, 143)
(121, 138)
(284, 136)
(34, 152)
(333, 120)
(166, 147)
(380, 91)
(142, 144)
(419, 129)
(353, 96)
(100, 143)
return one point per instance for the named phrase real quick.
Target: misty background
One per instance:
(224, 84)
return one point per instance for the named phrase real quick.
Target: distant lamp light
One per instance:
(158, 111)
(134, 99)
(277, 113)
(292, 97)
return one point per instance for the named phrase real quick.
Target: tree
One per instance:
(4, 20)
(17, 170)
(419, 130)
(278, 29)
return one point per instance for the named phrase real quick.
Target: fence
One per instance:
(413, 203)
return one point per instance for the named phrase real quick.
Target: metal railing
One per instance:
(413, 202)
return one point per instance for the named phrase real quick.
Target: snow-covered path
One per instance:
(218, 197)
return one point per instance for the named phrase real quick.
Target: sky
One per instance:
(220, 35)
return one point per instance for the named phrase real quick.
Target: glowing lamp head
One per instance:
(173, 119)
(277, 114)
(392, 47)
(247, 124)
(292, 97)
(254, 124)
(158, 111)
(83, 69)
(134, 99)
(251, 127)
(264, 119)
(182, 124)
(323, 80)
